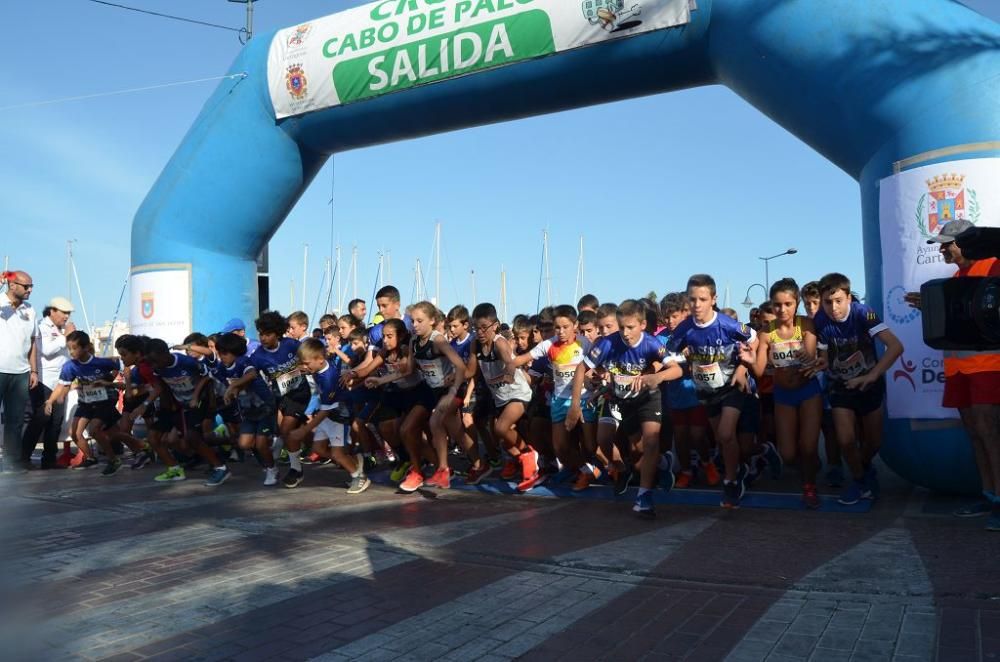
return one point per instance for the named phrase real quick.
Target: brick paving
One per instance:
(121, 568)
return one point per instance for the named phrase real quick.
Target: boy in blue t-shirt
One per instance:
(636, 364)
(688, 416)
(713, 343)
(186, 379)
(846, 331)
(277, 361)
(258, 410)
(332, 421)
(98, 398)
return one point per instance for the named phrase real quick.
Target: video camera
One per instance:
(964, 313)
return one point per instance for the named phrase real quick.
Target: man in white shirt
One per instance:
(53, 329)
(18, 360)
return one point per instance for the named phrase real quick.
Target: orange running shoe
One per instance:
(584, 478)
(414, 480)
(712, 476)
(531, 482)
(684, 480)
(441, 478)
(529, 463)
(509, 469)
(77, 460)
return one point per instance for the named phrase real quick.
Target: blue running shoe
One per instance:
(852, 494)
(218, 477)
(644, 506)
(993, 523)
(872, 488)
(774, 462)
(732, 494)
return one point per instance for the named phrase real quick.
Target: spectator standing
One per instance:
(972, 383)
(53, 329)
(18, 360)
(358, 308)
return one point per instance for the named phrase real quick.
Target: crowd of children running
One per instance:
(659, 395)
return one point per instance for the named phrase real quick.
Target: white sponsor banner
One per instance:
(913, 207)
(160, 302)
(392, 45)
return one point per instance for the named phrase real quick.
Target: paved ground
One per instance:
(124, 568)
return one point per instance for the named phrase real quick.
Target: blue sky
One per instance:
(698, 163)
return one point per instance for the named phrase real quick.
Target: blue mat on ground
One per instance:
(685, 497)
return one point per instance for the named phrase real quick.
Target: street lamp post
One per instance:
(747, 302)
(263, 277)
(249, 25)
(767, 275)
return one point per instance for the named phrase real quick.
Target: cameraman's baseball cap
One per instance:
(61, 303)
(235, 324)
(951, 230)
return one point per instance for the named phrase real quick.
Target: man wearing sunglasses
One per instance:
(18, 361)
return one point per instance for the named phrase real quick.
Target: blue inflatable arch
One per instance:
(872, 85)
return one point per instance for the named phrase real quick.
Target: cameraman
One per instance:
(972, 383)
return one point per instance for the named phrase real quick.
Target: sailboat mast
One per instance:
(503, 294)
(339, 278)
(305, 273)
(437, 264)
(354, 263)
(548, 274)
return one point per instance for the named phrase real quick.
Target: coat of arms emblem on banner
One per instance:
(947, 199)
(148, 305)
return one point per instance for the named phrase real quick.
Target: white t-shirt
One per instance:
(17, 328)
(52, 352)
(563, 359)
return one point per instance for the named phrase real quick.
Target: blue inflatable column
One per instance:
(868, 84)
(216, 202)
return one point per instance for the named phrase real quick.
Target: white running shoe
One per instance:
(271, 476)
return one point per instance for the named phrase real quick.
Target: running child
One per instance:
(786, 344)
(636, 364)
(564, 352)
(608, 416)
(277, 361)
(443, 371)
(536, 423)
(141, 391)
(94, 377)
(392, 385)
(492, 355)
(187, 379)
(688, 415)
(846, 331)
(332, 421)
(713, 344)
(258, 409)
(463, 427)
